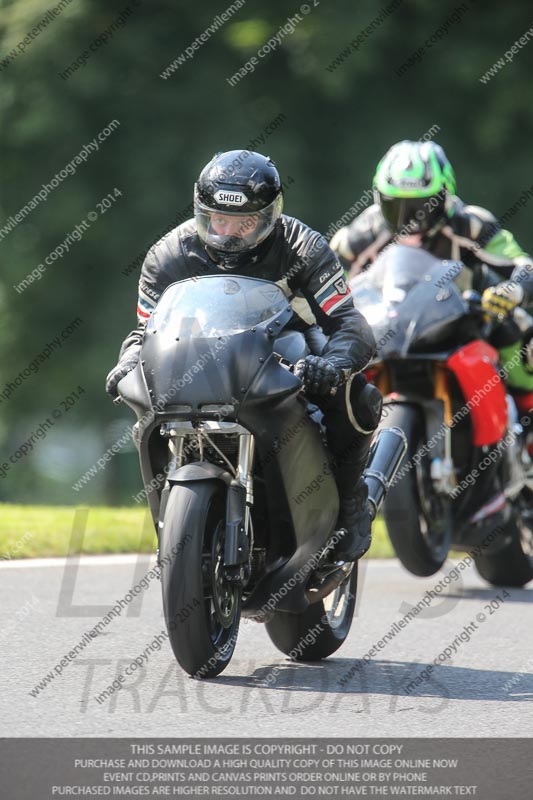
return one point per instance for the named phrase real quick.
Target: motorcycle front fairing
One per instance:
(209, 347)
(416, 312)
(206, 340)
(409, 298)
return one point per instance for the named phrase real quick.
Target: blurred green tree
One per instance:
(332, 127)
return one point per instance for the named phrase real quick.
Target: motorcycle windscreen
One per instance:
(409, 298)
(205, 339)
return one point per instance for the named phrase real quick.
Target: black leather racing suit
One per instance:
(471, 234)
(301, 262)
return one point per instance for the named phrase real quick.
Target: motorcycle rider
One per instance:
(239, 228)
(415, 203)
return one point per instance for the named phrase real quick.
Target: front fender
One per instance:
(199, 471)
(432, 410)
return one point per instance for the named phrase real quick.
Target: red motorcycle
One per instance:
(466, 479)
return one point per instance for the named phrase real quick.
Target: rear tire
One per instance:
(202, 610)
(513, 564)
(418, 520)
(321, 629)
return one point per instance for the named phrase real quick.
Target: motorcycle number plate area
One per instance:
(475, 367)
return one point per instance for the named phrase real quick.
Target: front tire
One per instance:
(418, 520)
(321, 629)
(202, 610)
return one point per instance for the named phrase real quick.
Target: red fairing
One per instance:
(475, 367)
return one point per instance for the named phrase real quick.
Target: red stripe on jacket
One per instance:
(331, 301)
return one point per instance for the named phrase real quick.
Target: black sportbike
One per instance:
(238, 476)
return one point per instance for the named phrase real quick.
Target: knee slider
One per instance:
(367, 404)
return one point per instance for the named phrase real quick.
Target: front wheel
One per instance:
(418, 519)
(202, 608)
(319, 630)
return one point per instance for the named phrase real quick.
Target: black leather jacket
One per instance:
(297, 258)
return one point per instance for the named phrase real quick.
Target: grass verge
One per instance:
(43, 531)
(40, 531)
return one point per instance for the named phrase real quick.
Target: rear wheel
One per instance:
(418, 519)
(513, 564)
(321, 629)
(202, 608)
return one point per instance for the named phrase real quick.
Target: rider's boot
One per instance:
(354, 510)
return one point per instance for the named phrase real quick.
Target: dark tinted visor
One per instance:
(412, 214)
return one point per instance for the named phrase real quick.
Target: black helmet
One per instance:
(237, 201)
(414, 184)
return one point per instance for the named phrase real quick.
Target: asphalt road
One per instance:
(484, 688)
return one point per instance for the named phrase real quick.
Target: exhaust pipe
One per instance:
(384, 459)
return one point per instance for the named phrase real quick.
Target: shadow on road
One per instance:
(400, 678)
(516, 595)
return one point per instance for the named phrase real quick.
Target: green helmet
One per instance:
(413, 184)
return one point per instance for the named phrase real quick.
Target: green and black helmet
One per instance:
(413, 184)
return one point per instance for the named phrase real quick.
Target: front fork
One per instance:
(438, 416)
(442, 471)
(239, 531)
(238, 541)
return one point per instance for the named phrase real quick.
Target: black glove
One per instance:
(319, 375)
(126, 364)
